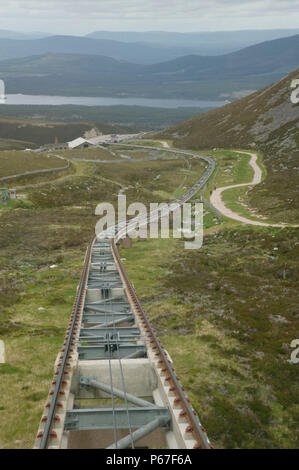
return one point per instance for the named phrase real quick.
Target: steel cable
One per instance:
(124, 387)
(111, 386)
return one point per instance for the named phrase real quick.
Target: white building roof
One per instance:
(100, 139)
(77, 142)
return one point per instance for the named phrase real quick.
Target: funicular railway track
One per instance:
(111, 353)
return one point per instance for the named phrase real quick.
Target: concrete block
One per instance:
(140, 379)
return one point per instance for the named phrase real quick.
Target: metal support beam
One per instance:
(109, 317)
(106, 418)
(109, 340)
(100, 332)
(92, 382)
(103, 301)
(128, 318)
(103, 284)
(110, 309)
(141, 432)
(111, 350)
(106, 278)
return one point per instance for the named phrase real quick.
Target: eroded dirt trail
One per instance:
(217, 202)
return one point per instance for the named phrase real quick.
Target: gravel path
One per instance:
(216, 199)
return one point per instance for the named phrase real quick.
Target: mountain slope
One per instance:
(266, 120)
(214, 77)
(67, 74)
(265, 57)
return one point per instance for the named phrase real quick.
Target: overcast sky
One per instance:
(84, 16)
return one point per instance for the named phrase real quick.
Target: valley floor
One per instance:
(225, 313)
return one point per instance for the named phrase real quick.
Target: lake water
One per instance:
(103, 101)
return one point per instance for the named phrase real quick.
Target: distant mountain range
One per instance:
(195, 77)
(141, 48)
(174, 44)
(265, 57)
(204, 43)
(130, 52)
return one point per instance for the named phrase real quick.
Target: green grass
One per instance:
(215, 309)
(13, 144)
(87, 154)
(233, 167)
(17, 204)
(226, 314)
(237, 200)
(16, 162)
(35, 300)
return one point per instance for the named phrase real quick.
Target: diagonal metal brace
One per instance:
(102, 319)
(93, 382)
(141, 432)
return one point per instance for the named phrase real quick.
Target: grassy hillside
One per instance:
(227, 315)
(16, 162)
(11, 144)
(267, 121)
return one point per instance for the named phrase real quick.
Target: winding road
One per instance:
(217, 202)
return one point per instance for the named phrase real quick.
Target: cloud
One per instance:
(146, 9)
(83, 16)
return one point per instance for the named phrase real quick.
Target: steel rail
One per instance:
(51, 414)
(195, 427)
(112, 395)
(197, 430)
(123, 229)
